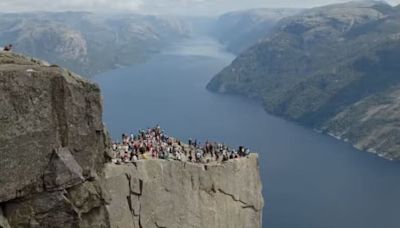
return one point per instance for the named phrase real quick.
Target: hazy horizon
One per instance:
(177, 7)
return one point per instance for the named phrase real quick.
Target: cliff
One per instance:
(52, 145)
(54, 169)
(239, 30)
(158, 193)
(332, 68)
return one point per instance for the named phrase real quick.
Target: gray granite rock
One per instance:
(158, 193)
(40, 112)
(63, 171)
(52, 146)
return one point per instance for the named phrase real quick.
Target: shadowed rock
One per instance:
(52, 140)
(3, 220)
(63, 171)
(41, 111)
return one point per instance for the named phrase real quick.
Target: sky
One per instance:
(188, 7)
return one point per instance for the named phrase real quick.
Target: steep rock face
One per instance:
(241, 29)
(53, 173)
(158, 193)
(371, 124)
(52, 141)
(80, 206)
(324, 68)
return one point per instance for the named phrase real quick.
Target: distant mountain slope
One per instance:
(89, 43)
(241, 29)
(334, 68)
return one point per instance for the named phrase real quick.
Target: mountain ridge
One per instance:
(90, 43)
(238, 30)
(314, 67)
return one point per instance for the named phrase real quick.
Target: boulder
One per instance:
(41, 111)
(52, 147)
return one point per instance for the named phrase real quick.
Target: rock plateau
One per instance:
(55, 170)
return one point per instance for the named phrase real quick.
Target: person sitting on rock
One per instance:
(134, 158)
(126, 157)
(8, 47)
(198, 155)
(247, 152)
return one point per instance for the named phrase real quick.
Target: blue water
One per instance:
(309, 180)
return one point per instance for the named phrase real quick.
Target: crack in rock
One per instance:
(137, 193)
(245, 205)
(158, 226)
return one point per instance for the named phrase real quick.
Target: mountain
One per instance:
(241, 29)
(333, 68)
(90, 43)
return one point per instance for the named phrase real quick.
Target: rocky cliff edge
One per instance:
(159, 193)
(54, 171)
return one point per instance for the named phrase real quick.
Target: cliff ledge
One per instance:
(54, 169)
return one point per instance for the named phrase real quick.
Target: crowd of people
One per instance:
(154, 144)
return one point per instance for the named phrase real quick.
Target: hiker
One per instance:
(8, 47)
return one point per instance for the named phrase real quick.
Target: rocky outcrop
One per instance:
(52, 144)
(54, 172)
(159, 193)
